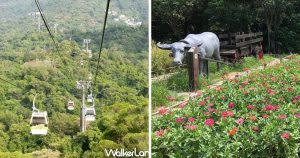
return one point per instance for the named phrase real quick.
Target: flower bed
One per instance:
(257, 116)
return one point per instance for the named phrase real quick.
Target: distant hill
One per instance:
(127, 21)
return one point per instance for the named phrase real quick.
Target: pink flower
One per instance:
(271, 91)
(163, 111)
(179, 120)
(211, 109)
(202, 103)
(160, 133)
(231, 105)
(191, 119)
(230, 113)
(285, 135)
(250, 107)
(206, 113)
(227, 114)
(269, 108)
(210, 104)
(297, 115)
(240, 121)
(246, 83)
(191, 127)
(282, 116)
(297, 97)
(209, 122)
(208, 98)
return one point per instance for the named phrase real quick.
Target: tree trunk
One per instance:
(269, 37)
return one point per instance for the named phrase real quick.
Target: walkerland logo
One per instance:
(123, 153)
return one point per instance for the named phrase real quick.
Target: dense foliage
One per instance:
(29, 60)
(256, 116)
(278, 19)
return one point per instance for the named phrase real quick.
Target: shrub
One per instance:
(256, 116)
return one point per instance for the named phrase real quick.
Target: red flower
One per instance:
(191, 119)
(297, 115)
(240, 121)
(265, 116)
(285, 135)
(231, 105)
(250, 107)
(233, 131)
(276, 107)
(245, 83)
(209, 122)
(270, 91)
(190, 127)
(269, 108)
(163, 111)
(210, 104)
(224, 114)
(282, 116)
(202, 103)
(179, 120)
(294, 101)
(255, 128)
(160, 133)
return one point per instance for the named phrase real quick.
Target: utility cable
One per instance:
(101, 42)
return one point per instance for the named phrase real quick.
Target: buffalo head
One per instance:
(178, 50)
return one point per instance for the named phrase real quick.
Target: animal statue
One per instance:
(207, 42)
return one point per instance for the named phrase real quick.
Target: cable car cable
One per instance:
(8, 82)
(45, 22)
(101, 42)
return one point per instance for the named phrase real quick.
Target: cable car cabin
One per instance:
(90, 98)
(39, 123)
(70, 105)
(90, 114)
(90, 76)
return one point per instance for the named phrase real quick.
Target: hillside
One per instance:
(70, 19)
(31, 65)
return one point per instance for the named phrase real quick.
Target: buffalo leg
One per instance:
(201, 67)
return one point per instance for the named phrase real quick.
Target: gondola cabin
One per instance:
(39, 123)
(90, 114)
(90, 98)
(70, 105)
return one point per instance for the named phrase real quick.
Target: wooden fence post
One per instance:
(193, 68)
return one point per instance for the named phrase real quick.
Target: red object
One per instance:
(260, 55)
(209, 122)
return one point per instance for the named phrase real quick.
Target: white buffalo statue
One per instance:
(207, 42)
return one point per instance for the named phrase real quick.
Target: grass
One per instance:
(179, 82)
